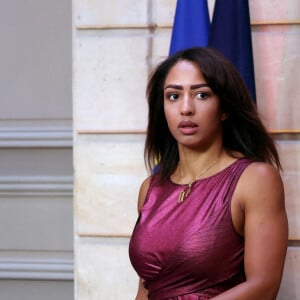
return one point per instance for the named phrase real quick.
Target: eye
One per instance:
(201, 95)
(172, 96)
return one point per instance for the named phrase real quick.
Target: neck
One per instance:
(194, 164)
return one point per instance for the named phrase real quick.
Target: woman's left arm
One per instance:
(261, 197)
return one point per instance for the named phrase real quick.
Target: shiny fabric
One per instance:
(189, 250)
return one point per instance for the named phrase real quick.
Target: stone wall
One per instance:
(115, 44)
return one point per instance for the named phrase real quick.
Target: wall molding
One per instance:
(36, 186)
(34, 137)
(37, 269)
(153, 26)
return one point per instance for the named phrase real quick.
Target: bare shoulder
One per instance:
(261, 170)
(262, 175)
(261, 184)
(143, 192)
(263, 223)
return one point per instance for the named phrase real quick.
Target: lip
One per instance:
(188, 127)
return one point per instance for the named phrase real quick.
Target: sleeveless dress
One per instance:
(189, 250)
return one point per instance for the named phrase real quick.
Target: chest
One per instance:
(192, 236)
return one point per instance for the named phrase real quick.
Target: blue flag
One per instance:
(230, 33)
(191, 25)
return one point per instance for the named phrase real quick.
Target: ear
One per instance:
(224, 116)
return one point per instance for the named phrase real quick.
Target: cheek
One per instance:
(168, 114)
(213, 118)
(171, 121)
(212, 113)
(217, 114)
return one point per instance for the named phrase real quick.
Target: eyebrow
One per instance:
(180, 87)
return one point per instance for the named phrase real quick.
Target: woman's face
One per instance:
(191, 108)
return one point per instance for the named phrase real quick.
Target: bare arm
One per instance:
(142, 293)
(143, 192)
(261, 197)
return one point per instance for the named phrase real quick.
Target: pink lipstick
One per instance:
(188, 127)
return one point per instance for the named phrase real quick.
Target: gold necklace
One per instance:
(187, 189)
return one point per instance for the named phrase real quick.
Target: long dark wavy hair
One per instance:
(243, 131)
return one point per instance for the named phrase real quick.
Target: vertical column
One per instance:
(111, 52)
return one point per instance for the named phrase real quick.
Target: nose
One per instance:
(187, 106)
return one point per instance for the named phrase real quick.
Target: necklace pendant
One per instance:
(181, 196)
(184, 193)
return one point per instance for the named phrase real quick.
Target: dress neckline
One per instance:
(210, 176)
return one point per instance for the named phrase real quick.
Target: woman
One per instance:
(212, 221)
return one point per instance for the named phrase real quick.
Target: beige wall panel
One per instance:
(109, 171)
(111, 13)
(104, 270)
(110, 73)
(160, 46)
(260, 11)
(290, 288)
(164, 11)
(289, 154)
(277, 64)
(292, 192)
(275, 10)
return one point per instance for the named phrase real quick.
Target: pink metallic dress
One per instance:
(189, 250)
